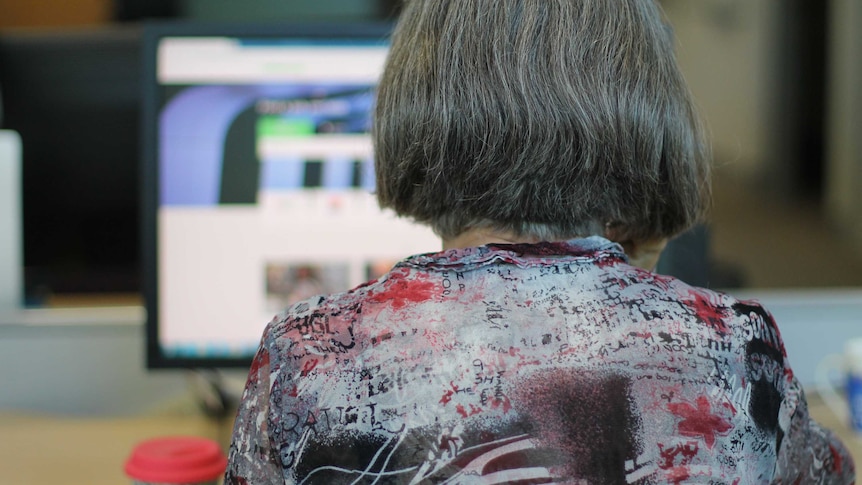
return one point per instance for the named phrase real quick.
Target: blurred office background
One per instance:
(776, 81)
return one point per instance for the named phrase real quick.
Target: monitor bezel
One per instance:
(152, 34)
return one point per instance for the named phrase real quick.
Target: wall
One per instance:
(729, 53)
(279, 10)
(82, 361)
(844, 176)
(725, 50)
(54, 13)
(64, 13)
(91, 362)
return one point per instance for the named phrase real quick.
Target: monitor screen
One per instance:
(258, 181)
(73, 96)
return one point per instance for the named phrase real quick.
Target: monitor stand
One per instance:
(11, 259)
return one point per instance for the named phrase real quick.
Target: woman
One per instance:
(553, 146)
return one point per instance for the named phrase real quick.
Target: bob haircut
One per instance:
(545, 118)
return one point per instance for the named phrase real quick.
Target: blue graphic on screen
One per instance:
(208, 136)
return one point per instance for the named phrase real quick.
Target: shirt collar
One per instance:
(520, 254)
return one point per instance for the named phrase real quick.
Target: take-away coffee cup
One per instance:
(176, 460)
(839, 382)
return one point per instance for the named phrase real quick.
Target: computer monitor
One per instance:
(258, 181)
(73, 96)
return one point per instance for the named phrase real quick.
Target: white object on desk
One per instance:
(11, 260)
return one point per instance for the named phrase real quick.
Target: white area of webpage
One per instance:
(213, 261)
(312, 147)
(223, 60)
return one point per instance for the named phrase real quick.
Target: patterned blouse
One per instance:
(527, 364)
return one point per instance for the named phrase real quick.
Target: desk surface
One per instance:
(36, 450)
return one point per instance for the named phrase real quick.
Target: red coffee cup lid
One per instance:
(176, 459)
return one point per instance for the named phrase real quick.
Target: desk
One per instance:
(37, 450)
(827, 419)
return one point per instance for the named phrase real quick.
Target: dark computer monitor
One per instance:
(74, 97)
(257, 181)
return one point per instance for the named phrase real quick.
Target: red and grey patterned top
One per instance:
(543, 363)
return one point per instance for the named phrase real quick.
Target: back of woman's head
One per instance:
(544, 118)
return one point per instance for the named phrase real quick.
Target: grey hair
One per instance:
(543, 118)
